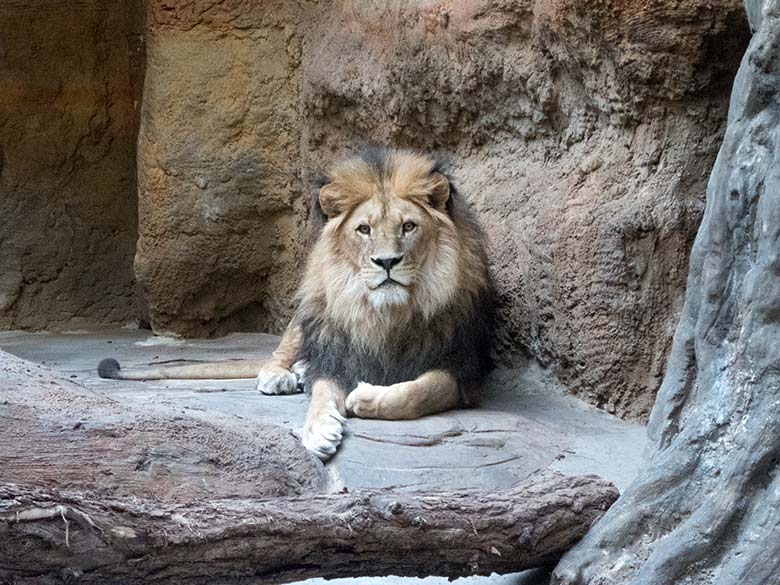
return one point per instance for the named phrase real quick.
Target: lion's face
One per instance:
(390, 239)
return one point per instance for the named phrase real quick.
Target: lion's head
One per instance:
(391, 241)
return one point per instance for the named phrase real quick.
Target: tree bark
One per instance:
(46, 536)
(93, 491)
(58, 435)
(706, 507)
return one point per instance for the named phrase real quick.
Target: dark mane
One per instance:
(459, 344)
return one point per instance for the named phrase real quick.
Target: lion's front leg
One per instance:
(434, 391)
(325, 419)
(279, 375)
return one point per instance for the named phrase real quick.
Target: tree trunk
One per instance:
(45, 536)
(706, 508)
(92, 491)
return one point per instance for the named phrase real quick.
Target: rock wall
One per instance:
(69, 75)
(220, 199)
(582, 132)
(705, 508)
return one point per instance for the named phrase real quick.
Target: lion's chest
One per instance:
(332, 353)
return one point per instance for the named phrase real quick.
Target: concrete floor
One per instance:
(525, 423)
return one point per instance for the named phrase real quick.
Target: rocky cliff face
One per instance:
(69, 76)
(582, 133)
(220, 200)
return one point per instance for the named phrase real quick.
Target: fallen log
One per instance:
(97, 492)
(56, 434)
(47, 536)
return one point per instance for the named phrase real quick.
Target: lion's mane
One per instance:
(448, 325)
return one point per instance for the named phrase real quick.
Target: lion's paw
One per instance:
(322, 434)
(299, 369)
(277, 380)
(363, 401)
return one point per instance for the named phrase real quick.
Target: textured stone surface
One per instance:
(69, 74)
(526, 423)
(705, 508)
(582, 133)
(220, 199)
(60, 435)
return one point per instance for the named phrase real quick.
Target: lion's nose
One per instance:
(387, 262)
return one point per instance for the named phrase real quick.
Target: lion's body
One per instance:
(345, 338)
(395, 310)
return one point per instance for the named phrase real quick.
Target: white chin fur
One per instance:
(388, 296)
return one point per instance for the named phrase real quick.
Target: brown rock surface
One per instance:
(583, 133)
(221, 202)
(67, 161)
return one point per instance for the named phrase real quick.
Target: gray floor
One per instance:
(526, 422)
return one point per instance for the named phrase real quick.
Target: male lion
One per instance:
(395, 312)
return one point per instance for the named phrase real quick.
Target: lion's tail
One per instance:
(225, 370)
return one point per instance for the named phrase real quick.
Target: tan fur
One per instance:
(281, 362)
(325, 419)
(432, 392)
(447, 266)
(223, 370)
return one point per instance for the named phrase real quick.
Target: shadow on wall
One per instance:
(583, 136)
(70, 84)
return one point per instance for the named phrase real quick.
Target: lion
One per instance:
(395, 309)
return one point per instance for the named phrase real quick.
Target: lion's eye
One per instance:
(364, 229)
(408, 226)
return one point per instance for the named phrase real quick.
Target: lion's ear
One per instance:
(440, 191)
(329, 200)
